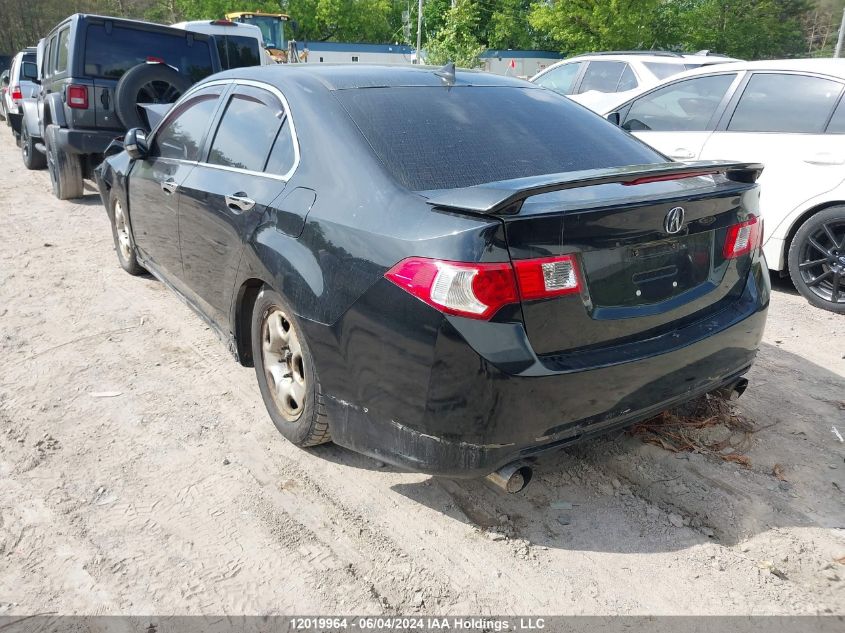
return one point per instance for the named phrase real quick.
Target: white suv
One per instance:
(788, 115)
(23, 74)
(591, 79)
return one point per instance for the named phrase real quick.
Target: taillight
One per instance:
(479, 290)
(17, 93)
(547, 277)
(476, 291)
(77, 97)
(742, 238)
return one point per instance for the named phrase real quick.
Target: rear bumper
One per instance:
(87, 141)
(456, 413)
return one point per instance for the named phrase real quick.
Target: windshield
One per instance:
(272, 30)
(442, 138)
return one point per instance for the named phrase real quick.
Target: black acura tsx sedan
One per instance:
(449, 271)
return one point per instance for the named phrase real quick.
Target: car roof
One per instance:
(348, 76)
(825, 66)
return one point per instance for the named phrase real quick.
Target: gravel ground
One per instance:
(139, 474)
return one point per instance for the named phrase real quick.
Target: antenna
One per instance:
(447, 73)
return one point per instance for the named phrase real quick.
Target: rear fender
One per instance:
(54, 110)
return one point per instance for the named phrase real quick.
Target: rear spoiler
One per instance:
(505, 196)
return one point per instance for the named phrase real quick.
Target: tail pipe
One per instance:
(735, 390)
(512, 478)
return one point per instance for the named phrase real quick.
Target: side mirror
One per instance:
(135, 143)
(615, 118)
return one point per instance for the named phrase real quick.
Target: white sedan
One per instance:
(788, 115)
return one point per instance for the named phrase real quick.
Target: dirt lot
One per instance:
(139, 474)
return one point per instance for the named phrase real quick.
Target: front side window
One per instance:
(181, 136)
(560, 79)
(51, 53)
(111, 52)
(785, 103)
(61, 56)
(247, 130)
(602, 76)
(685, 106)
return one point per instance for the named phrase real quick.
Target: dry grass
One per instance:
(685, 429)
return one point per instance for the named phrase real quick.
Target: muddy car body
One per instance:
(463, 293)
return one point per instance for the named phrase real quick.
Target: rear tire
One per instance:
(32, 158)
(124, 244)
(816, 260)
(287, 377)
(65, 168)
(146, 83)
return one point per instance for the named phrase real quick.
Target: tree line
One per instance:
(459, 30)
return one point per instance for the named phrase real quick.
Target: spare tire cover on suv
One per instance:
(146, 83)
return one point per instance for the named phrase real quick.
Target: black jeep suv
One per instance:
(94, 73)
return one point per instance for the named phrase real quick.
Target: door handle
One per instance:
(825, 158)
(682, 153)
(239, 202)
(169, 186)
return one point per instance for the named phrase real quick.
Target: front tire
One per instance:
(65, 168)
(287, 377)
(816, 260)
(121, 232)
(32, 158)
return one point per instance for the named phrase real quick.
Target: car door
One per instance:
(249, 160)
(677, 118)
(154, 187)
(780, 120)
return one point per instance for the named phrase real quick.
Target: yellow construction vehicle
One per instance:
(272, 25)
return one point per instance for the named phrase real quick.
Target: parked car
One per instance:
(238, 44)
(789, 115)
(454, 295)
(4, 87)
(21, 85)
(95, 73)
(592, 79)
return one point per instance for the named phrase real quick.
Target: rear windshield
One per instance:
(28, 68)
(443, 138)
(109, 55)
(237, 51)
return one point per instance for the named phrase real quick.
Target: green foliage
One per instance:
(457, 41)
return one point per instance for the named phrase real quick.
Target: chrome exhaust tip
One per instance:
(512, 478)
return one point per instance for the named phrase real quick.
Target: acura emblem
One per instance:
(674, 220)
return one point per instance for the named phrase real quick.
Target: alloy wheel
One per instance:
(822, 261)
(283, 364)
(120, 225)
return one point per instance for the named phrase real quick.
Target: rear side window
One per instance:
(837, 123)
(110, 54)
(181, 136)
(61, 55)
(602, 76)
(247, 130)
(283, 155)
(237, 51)
(662, 70)
(441, 138)
(785, 103)
(560, 79)
(685, 106)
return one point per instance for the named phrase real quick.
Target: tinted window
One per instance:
(602, 76)
(237, 51)
(439, 138)
(683, 106)
(181, 136)
(61, 57)
(628, 81)
(282, 155)
(785, 103)
(109, 55)
(51, 52)
(29, 70)
(662, 70)
(837, 123)
(560, 79)
(247, 130)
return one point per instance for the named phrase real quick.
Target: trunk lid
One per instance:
(640, 274)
